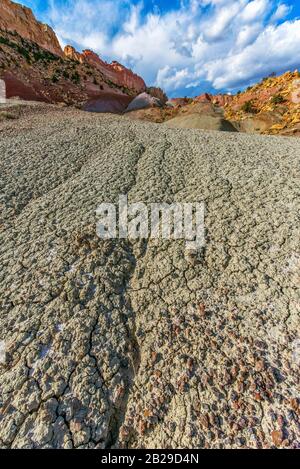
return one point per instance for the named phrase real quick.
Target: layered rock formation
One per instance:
(72, 54)
(114, 71)
(18, 18)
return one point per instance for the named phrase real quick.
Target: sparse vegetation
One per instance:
(277, 99)
(8, 115)
(20, 49)
(75, 77)
(44, 56)
(248, 107)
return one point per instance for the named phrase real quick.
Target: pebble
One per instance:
(201, 310)
(277, 437)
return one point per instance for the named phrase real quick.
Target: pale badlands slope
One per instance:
(127, 343)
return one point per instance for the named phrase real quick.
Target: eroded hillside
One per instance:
(131, 343)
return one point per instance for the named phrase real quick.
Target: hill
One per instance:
(34, 66)
(271, 106)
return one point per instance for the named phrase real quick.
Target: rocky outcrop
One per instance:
(271, 106)
(143, 101)
(222, 100)
(157, 93)
(18, 18)
(219, 99)
(71, 53)
(117, 73)
(203, 98)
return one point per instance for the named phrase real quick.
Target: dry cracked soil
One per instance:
(131, 343)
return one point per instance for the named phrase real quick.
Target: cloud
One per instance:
(225, 43)
(255, 10)
(89, 24)
(256, 60)
(281, 12)
(175, 78)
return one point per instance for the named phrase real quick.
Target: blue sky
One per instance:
(184, 46)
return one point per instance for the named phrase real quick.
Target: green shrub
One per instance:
(248, 107)
(277, 99)
(24, 52)
(21, 50)
(75, 77)
(5, 41)
(7, 115)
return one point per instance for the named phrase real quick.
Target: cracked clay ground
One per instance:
(129, 343)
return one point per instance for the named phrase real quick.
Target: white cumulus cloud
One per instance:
(226, 43)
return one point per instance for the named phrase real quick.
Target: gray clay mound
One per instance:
(201, 121)
(130, 343)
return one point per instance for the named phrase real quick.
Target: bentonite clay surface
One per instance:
(129, 343)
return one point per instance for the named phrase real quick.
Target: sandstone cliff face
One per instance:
(15, 17)
(117, 73)
(72, 54)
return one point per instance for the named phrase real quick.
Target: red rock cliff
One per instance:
(15, 17)
(115, 72)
